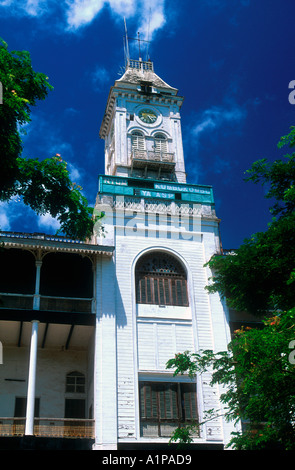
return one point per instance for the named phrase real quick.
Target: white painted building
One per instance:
(89, 349)
(163, 231)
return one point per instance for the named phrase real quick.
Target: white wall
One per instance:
(146, 337)
(52, 367)
(146, 343)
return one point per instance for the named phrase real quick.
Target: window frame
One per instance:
(138, 144)
(161, 288)
(160, 143)
(167, 396)
(75, 375)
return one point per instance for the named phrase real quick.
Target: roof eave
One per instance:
(48, 243)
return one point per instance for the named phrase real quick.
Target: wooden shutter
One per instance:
(166, 404)
(161, 143)
(189, 402)
(161, 281)
(138, 141)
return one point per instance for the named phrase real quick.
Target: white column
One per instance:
(29, 430)
(36, 305)
(105, 373)
(93, 303)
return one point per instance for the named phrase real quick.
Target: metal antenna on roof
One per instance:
(126, 42)
(138, 36)
(126, 45)
(148, 37)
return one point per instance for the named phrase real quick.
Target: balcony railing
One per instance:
(49, 427)
(65, 304)
(16, 301)
(151, 156)
(39, 236)
(47, 303)
(140, 64)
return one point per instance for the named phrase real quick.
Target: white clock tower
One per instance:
(141, 126)
(151, 301)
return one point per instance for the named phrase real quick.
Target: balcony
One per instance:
(149, 160)
(49, 427)
(63, 304)
(46, 303)
(15, 301)
(140, 65)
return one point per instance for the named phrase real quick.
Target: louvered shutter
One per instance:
(164, 405)
(138, 142)
(161, 144)
(161, 281)
(189, 402)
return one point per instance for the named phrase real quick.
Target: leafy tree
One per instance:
(258, 374)
(43, 185)
(258, 276)
(258, 369)
(279, 176)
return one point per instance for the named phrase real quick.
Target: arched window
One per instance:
(161, 280)
(137, 142)
(161, 143)
(75, 382)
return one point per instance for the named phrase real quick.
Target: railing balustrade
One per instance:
(140, 64)
(152, 156)
(49, 427)
(47, 303)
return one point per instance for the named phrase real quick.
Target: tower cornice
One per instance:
(129, 93)
(130, 86)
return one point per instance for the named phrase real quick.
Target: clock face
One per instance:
(148, 116)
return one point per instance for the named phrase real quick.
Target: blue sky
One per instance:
(232, 60)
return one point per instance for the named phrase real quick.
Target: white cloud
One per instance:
(35, 7)
(47, 222)
(99, 77)
(6, 3)
(224, 118)
(215, 117)
(74, 172)
(152, 17)
(148, 12)
(123, 7)
(82, 12)
(4, 220)
(27, 7)
(14, 214)
(149, 15)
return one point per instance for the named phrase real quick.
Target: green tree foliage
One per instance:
(258, 369)
(279, 177)
(259, 275)
(258, 374)
(44, 185)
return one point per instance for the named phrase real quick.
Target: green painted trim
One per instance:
(148, 188)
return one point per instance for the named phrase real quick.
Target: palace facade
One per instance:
(86, 328)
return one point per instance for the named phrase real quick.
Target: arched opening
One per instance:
(18, 272)
(161, 280)
(66, 275)
(75, 382)
(161, 143)
(137, 143)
